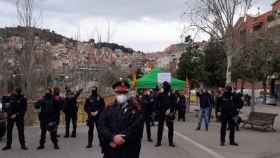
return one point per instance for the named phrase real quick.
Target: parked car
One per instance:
(270, 100)
(3, 121)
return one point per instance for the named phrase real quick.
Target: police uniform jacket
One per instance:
(121, 119)
(17, 105)
(93, 104)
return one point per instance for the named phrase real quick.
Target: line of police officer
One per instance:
(120, 126)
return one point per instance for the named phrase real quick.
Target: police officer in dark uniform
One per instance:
(93, 107)
(121, 126)
(167, 105)
(147, 107)
(228, 114)
(48, 118)
(16, 112)
(71, 111)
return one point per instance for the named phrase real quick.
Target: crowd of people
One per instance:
(120, 125)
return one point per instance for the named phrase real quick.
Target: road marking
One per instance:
(202, 147)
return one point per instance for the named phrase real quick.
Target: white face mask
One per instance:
(121, 98)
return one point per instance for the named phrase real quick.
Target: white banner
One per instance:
(162, 77)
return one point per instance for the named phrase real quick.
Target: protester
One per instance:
(212, 102)
(182, 107)
(16, 112)
(48, 113)
(71, 111)
(247, 99)
(58, 103)
(228, 115)
(93, 107)
(121, 125)
(167, 105)
(205, 103)
(238, 102)
(218, 100)
(155, 113)
(147, 107)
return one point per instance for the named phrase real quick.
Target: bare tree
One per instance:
(33, 48)
(25, 12)
(110, 31)
(107, 33)
(3, 64)
(217, 19)
(257, 61)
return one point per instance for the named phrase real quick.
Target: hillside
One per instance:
(55, 38)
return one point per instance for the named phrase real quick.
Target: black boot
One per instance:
(172, 145)
(89, 146)
(23, 147)
(66, 134)
(56, 147)
(40, 147)
(158, 145)
(234, 144)
(73, 135)
(7, 147)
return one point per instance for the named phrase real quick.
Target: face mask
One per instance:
(166, 89)
(121, 98)
(94, 93)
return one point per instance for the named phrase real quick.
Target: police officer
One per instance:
(71, 111)
(218, 100)
(121, 126)
(167, 105)
(93, 107)
(48, 118)
(228, 113)
(147, 105)
(16, 112)
(182, 106)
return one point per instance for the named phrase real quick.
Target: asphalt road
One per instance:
(75, 147)
(189, 144)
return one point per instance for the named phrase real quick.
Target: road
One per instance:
(189, 144)
(75, 148)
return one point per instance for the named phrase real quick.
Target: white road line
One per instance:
(202, 147)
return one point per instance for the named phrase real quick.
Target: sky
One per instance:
(145, 25)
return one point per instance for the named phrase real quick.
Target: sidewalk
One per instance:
(253, 143)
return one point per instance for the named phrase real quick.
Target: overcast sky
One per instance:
(146, 25)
